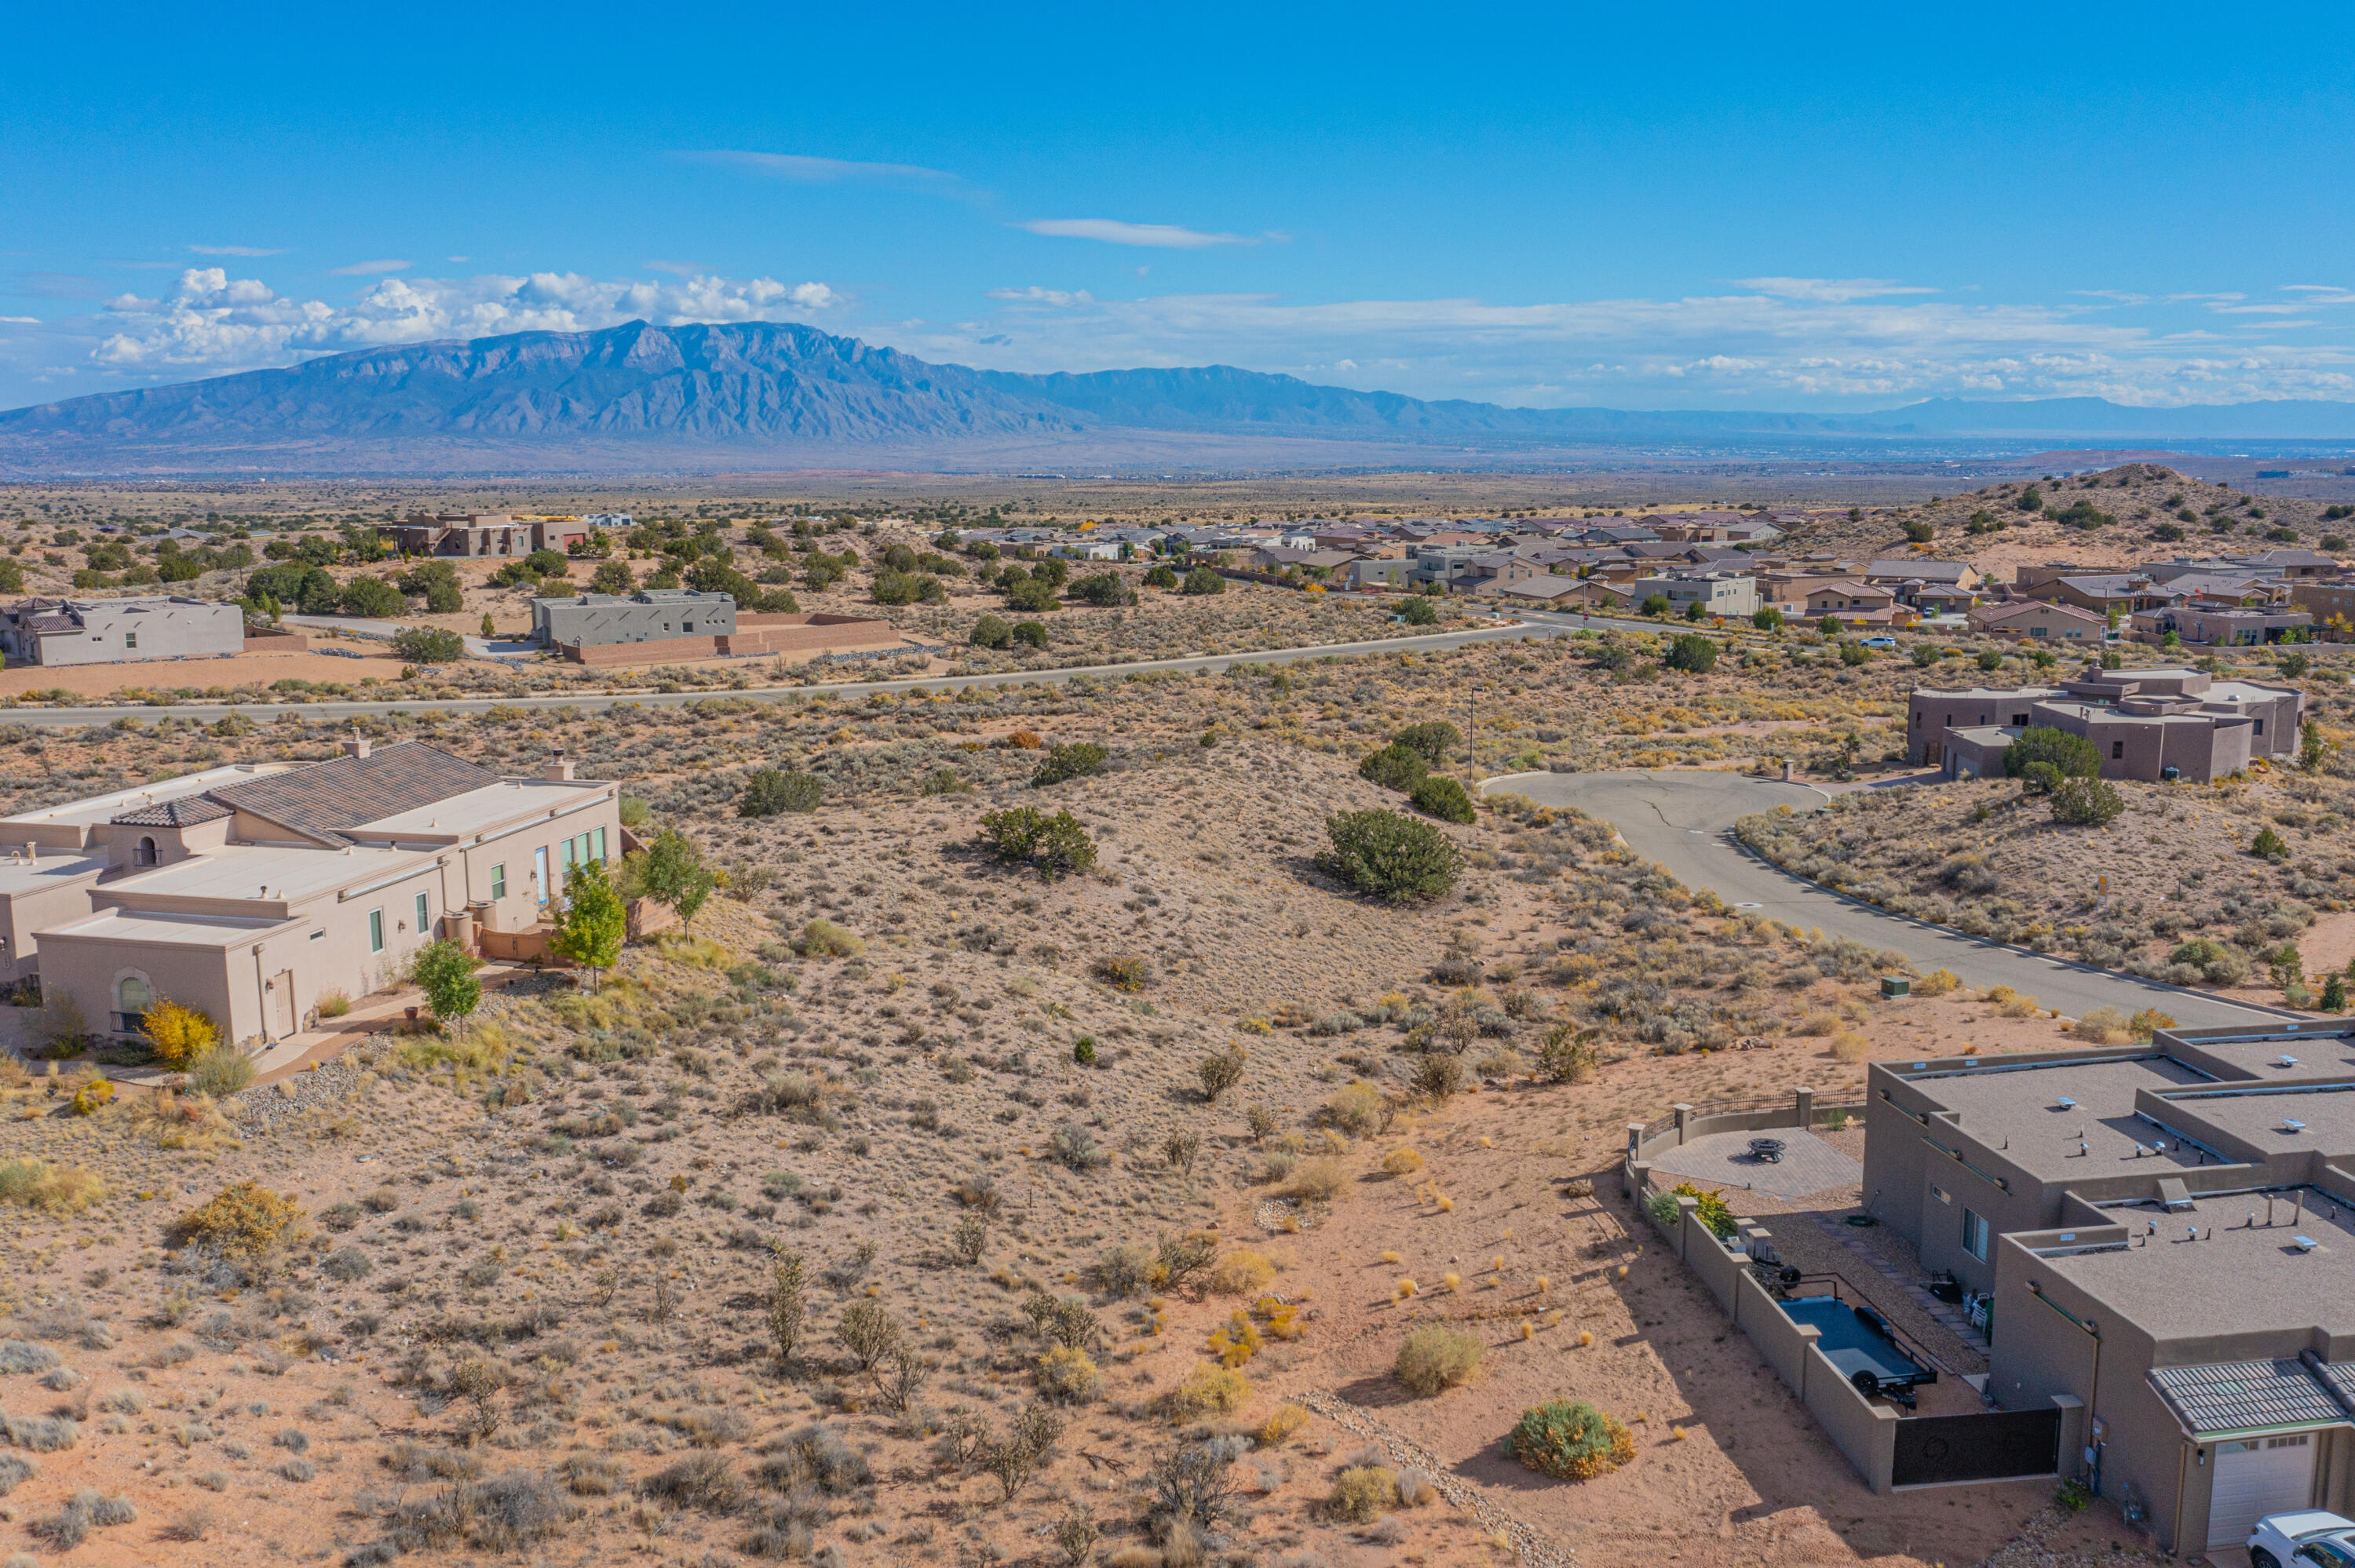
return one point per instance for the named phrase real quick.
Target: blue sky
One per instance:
(1841, 208)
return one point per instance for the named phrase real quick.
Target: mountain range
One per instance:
(764, 395)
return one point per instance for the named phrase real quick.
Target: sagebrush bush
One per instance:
(1243, 1273)
(54, 1189)
(244, 1219)
(1570, 1438)
(1361, 1494)
(1359, 1109)
(1318, 1181)
(1436, 1359)
(1209, 1391)
(1068, 1376)
(1402, 1161)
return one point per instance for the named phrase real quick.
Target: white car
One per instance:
(2309, 1538)
(1880, 642)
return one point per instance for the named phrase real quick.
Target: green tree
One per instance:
(1990, 660)
(1854, 653)
(372, 598)
(2269, 846)
(2030, 500)
(2311, 748)
(1390, 855)
(1766, 618)
(1395, 767)
(2083, 802)
(488, 630)
(1693, 654)
(1162, 577)
(1073, 761)
(1418, 611)
(428, 645)
(614, 576)
(1656, 605)
(1829, 626)
(1035, 595)
(1695, 611)
(673, 874)
(437, 583)
(1443, 797)
(1054, 846)
(1030, 633)
(1434, 740)
(1104, 590)
(2072, 756)
(1203, 580)
(445, 971)
(990, 632)
(1918, 530)
(594, 920)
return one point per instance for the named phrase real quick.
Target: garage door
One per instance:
(2262, 1475)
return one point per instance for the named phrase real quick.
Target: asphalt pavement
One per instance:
(1685, 821)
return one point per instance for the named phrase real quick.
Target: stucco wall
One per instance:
(1865, 1433)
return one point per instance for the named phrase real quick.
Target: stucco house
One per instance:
(2150, 725)
(61, 631)
(251, 892)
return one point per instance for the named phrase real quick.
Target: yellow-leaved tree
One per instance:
(181, 1034)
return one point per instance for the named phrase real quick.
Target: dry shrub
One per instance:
(1402, 1162)
(173, 1120)
(2149, 1021)
(1068, 1376)
(243, 1220)
(1281, 1426)
(1361, 1494)
(1937, 982)
(1243, 1273)
(1847, 1046)
(1817, 1025)
(1436, 1359)
(52, 1189)
(1317, 1180)
(1208, 1391)
(2105, 1026)
(2009, 1003)
(1358, 1110)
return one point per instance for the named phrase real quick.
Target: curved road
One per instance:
(1685, 821)
(1533, 623)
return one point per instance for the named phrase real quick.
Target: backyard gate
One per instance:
(1989, 1446)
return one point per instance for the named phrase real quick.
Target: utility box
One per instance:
(1896, 985)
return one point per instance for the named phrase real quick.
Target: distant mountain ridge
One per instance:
(753, 394)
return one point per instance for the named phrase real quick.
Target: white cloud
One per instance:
(804, 170)
(1035, 295)
(678, 269)
(21, 320)
(234, 251)
(369, 268)
(212, 322)
(1830, 291)
(1111, 231)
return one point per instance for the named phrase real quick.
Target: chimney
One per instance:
(558, 765)
(356, 744)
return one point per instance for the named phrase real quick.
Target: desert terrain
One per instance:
(512, 1288)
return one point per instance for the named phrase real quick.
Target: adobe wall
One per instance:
(756, 636)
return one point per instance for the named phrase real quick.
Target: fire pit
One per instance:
(1768, 1150)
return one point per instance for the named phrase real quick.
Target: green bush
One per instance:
(2217, 964)
(1434, 740)
(1766, 618)
(768, 791)
(1395, 767)
(2072, 756)
(2269, 846)
(1034, 594)
(2086, 803)
(1693, 654)
(1442, 797)
(1391, 856)
(429, 645)
(372, 598)
(1570, 1438)
(1074, 761)
(305, 590)
(1855, 653)
(990, 632)
(1202, 580)
(1055, 846)
(1656, 605)
(220, 1071)
(2038, 778)
(437, 582)
(1419, 611)
(1436, 1359)
(1030, 633)
(1104, 590)
(1161, 577)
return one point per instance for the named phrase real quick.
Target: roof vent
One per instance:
(2304, 1244)
(2065, 1103)
(559, 766)
(356, 744)
(2291, 1124)
(2285, 1060)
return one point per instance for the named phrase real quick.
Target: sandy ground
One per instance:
(239, 670)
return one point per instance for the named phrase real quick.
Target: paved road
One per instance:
(1534, 623)
(1683, 820)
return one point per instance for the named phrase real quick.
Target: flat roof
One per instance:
(2312, 1055)
(478, 811)
(19, 876)
(180, 930)
(2018, 1109)
(99, 809)
(245, 871)
(2234, 1279)
(2257, 1118)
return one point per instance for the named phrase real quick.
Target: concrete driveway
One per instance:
(1683, 820)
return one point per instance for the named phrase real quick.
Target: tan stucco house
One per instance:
(249, 891)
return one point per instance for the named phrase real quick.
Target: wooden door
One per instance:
(282, 1003)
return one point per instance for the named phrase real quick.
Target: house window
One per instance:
(131, 640)
(1975, 1235)
(421, 913)
(144, 852)
(2019, 719)
(499, 880)
(376, 930)
(2261, 726)
(2118, 749)
(131, 1000)
(598, 840)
